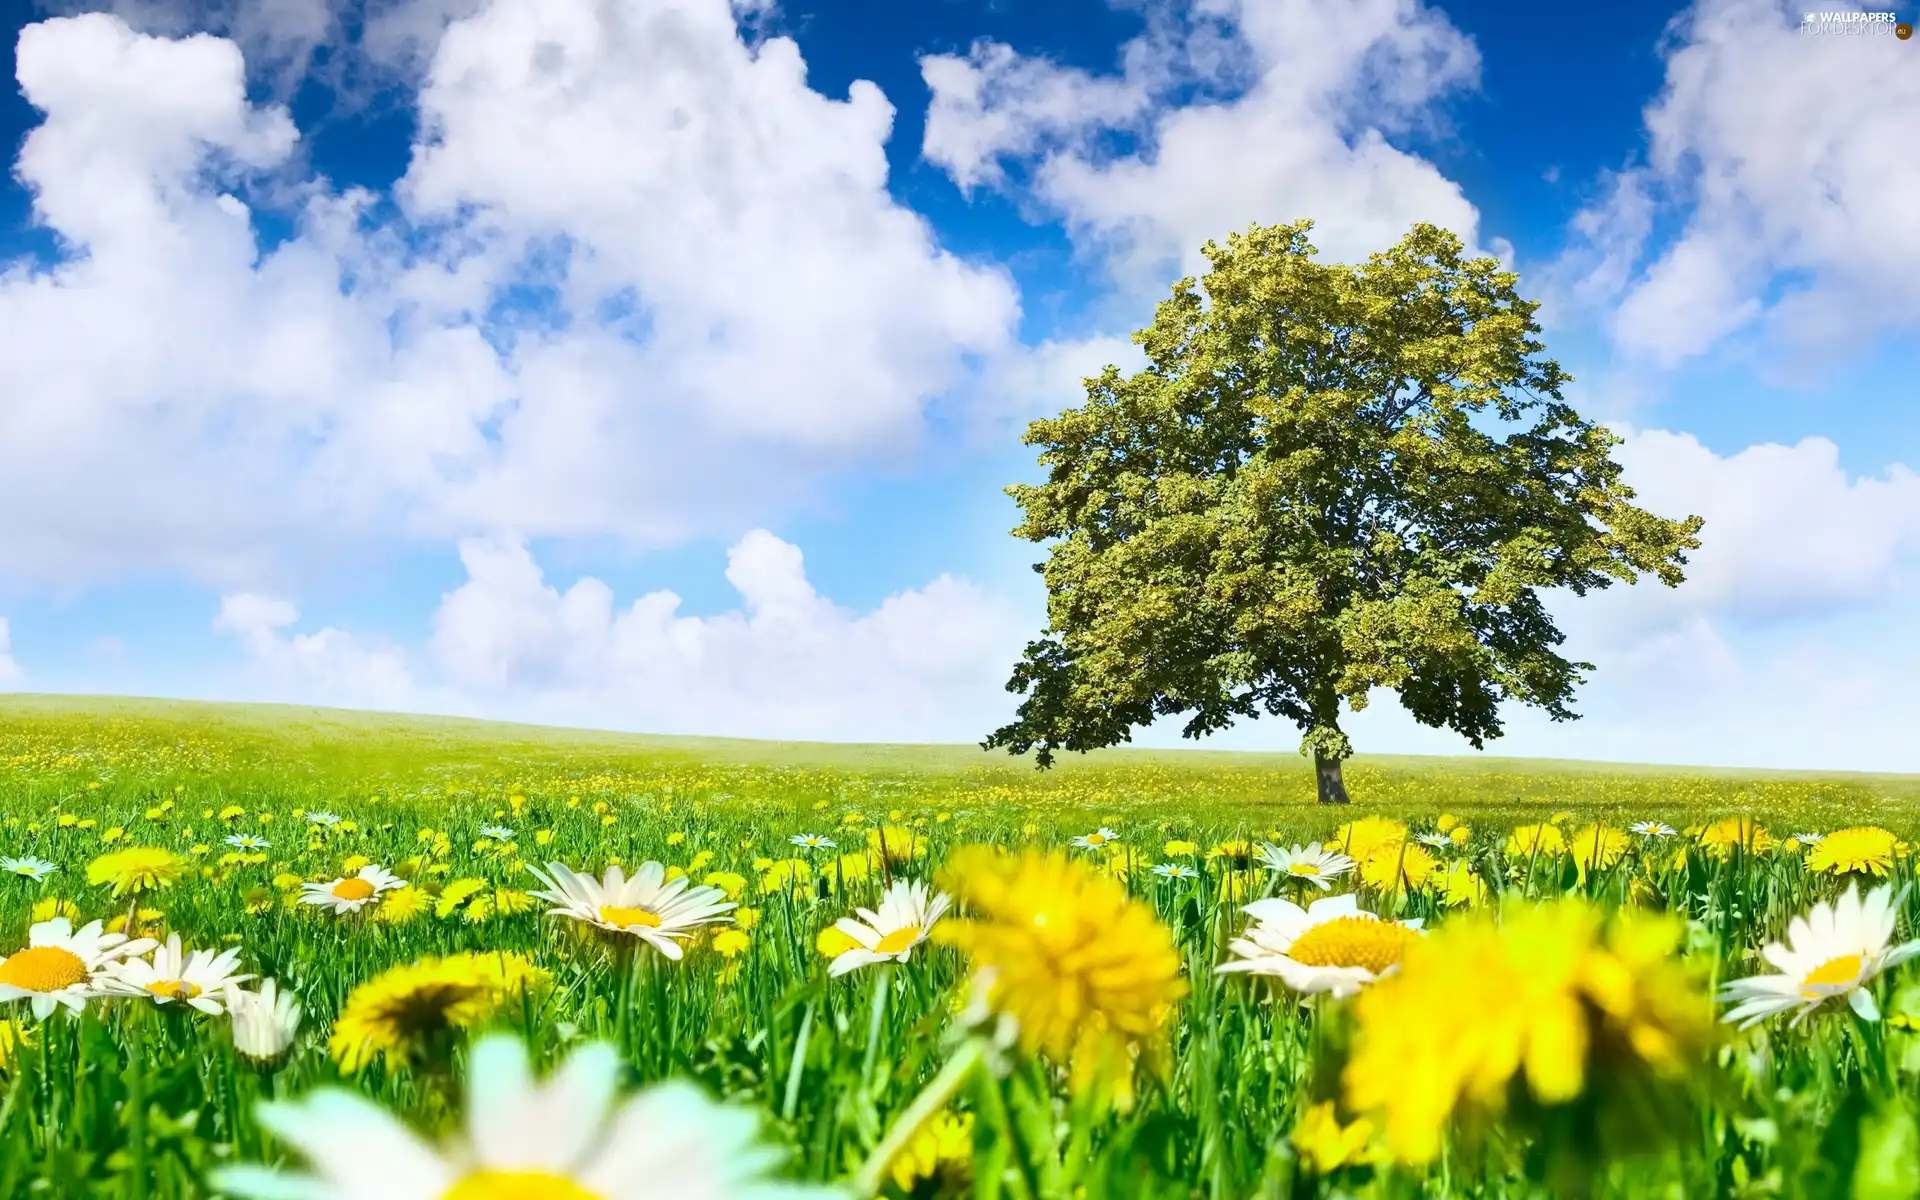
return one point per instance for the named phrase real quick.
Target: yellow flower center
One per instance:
(353, 889)
(1835, 972)
(627, 918)
(43, 969)
(175, 989)
(1305, 868)
(898, 940)
(1095, 839)
(517, 1185)
(1352, 942)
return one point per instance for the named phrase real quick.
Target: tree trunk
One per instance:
(1327, 777)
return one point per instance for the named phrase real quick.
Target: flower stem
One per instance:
(931, 1099)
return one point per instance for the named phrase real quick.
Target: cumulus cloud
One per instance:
(10, 672)
(721, 306)
(927, 663)
(327, 666)
(1286, 111)
(1787, 155)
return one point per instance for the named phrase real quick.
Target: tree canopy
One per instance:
(1328, 479)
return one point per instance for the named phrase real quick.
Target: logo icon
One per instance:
(1903, 31)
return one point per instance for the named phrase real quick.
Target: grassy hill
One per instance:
(51, 743)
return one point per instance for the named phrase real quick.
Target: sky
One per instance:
(659, 365)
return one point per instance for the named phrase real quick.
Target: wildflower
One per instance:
(13, 1035)
(1175, 871)
(258, 900)
(28, 867)
(498, 833)
(247, 842)
(1326, 1145)
(729, 943)
(350, 893)
(648, 906)
(404, 1013)
(1652, 829)
(1180, 849)
(137, 869)
(264, 1022)
(896, 844)
(1862, 849)
(939, 1159)
(232, 812)
(1724, 836)
(1361, 839)
(905, 918)
(62, 966)
(1331, 946)
(1087, 974)
(1808, 839)
(813, 841)
(1099, 839)
(51, 907)
(1552, 1003)
(1833, 952)
(728, 882)
(565, 1138)
(832, 942)
(1529, 842)
(1459, 887)
(1314, 864)
(1435, 839)
(401, 905)
(198, 979)
(1397, 867)
(456, 894)
(1596, 848)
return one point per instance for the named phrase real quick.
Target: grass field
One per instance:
(1547, 1026)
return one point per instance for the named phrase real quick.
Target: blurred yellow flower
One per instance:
(1326, 1145)
(1862, 849)
(137, 869)
(1722, 838)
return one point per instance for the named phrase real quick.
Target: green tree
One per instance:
(1328, 479)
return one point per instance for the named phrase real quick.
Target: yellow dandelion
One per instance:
(939, 1159)
(896, 844)
(1729, 834)
(409, 1012)
(1596, 848)
(1088, 974)
(1412, 862)
(731, 943)
(137, 869)
(1326, 1145)
(1553, 1000)
(1862, 849)
(1180, 849)
(832, 943)
(1535, 843)
(51, 907)
(1361, 839)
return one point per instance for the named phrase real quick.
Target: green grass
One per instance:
(342, 753)
(139, 1102)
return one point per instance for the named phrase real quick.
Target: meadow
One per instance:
(928, 971)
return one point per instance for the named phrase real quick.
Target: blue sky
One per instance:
(402, 354)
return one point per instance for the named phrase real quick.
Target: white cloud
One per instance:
(746, 309)
(928, 663)
(10, 672)
(1789, 155)
(328, 666)
(925, 664)
(1294, 102)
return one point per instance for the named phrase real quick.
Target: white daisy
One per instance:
(1099, 839)
(813, 841)
(1835, 950)
(565, 1136)
(903, 921)
(28, 867)
(499, 833)
(1437, 840)
(352, 893)
(1330, 946)
(1176, 871)
(264, 1022)
(246, 841)
(647, 906)
(1315, 864)
(62, 966)
(323, 818)
(198, 979)
(1653, 829)
(1805, 839)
